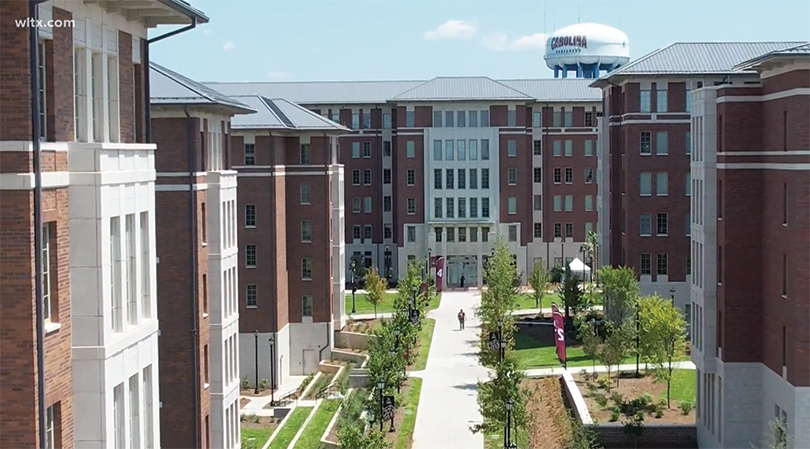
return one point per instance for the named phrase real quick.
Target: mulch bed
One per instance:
(260, 422)
(243, 402)
(251, 392)
(361, 326)
(550, 427)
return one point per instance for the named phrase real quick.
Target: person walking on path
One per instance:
(462, 317)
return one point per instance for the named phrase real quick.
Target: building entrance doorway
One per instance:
(458, 266)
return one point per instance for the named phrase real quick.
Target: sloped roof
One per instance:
(461, 88)
(321, 92)
(556, 90)
(167, 87)
(801, 50)
(282, 114)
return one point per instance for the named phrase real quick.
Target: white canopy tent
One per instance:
(579, 268)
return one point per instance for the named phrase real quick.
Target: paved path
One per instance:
(447, 405)
(538, 372)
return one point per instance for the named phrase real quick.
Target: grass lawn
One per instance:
(311, 438)
(363, 306)
(405, 436)
(257, 428)
(425, 338)
(290, 428)
(526, 301)
(534, 353)
(683, 386)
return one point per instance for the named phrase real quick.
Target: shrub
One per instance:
(617, 398)
(686, 407)
(604, 383)
(662, 403)
(600, 399)
(264, 384)
(592, 388)
(245, 383)
(659, 413)
(646, 399)
(614, 414)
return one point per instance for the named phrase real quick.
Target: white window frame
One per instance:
(119, 410)
(251, 296)
(306, 269)
(113, 106)
(80, 94)
(134, 412)
(146, 266)
(250, 215)
(306, 306)
(131, 279)
(46, 272)
(117, 307)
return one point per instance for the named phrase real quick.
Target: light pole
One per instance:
(354, 288)
(381, 386)
(388, 263)
(256, 347)
(637, 338)
(508, 433)
(427, 267)
(501, 342)
(672, 294)
(272, 341)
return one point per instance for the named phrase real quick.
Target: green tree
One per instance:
(357, 267)
(581, 436)
(776, 436)
(497, 302)
(592, 248)
(591, 342)
(375, 288)
(503, 385)
(381, 365)
(620, 292)
(661, 336)
(571, 294)
(539, 279)
(615, 346)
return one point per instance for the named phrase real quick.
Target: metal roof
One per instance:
(461, 88)
(167, 87)
(282, 114)
(437, 89)
(802, 50)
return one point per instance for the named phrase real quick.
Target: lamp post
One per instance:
(672, 294)
(501, 342)
(381, 386)
(354, 287)
(508, 433)
(272, 341)
(388, 263)
(256, 347)
(427, 266)
(637, 338)
(393, 353)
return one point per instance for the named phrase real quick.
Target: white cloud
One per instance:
(229, 46)
(208, 31)
(278, 75)
(453, 29)
(502, 42)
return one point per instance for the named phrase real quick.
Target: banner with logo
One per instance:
(559, 331)
(439, 274)
(433, 260)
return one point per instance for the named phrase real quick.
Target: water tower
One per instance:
(586, 49)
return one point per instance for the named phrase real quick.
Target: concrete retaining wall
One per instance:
(352, 340)
(349, 356)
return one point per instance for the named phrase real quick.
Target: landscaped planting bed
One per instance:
(294, 422)
(311, 437)
(258, 429)
(322, 381)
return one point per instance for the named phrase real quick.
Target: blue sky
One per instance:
(332, 40)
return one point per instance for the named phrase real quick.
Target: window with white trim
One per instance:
(146, 267)
(118, 417)
(306, 306)
(134, 412)
(148, 406)
(113, 109)
(250, 215)
(250, 154)
(131, 267)
(80, 95)
(306, 269)
(305, 193)
(250, 256)
(251, 295)
(306, 230)
(117, 312)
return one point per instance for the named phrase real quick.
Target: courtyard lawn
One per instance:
(285, 436)
(425, 338)
(526, 301)
(363, 306)
(258, 429)
(311, 438)
(405, 436)
(683, 386)
(531, 352)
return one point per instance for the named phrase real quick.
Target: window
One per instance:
(79, 95)
(588, 203)
(569, 148)
(645, 144)
(115, 260)
(588, 227)
(513, 233)
(411, 234)
(538, 230)
(538, 175)
(536, 120)
(646, 263)
(451, 234)
(437, 208)
(148, 417)
(461, 119)
(569, 230)
(484, 149)
(134, 412)
(355, 120)
(473, 121)
(511, 118)
(251, 295)
(512, 205)
(569, 203)
(485, 236)
(448, 119)
(46, 272)
(511, 148)
(538, 202)
(439, 233)
(306, 230)
(250, 154)
(306, 269)
(451, 207)
(131, 268)
(688, 100)
(688, 142)
(305, 193)
(784, 204)
(462, 150)
(557, 119)
(484, 178)
(437, 178)
(113, 109)
(356, 232)
(557, 147)
(473, 207)
(473, 150)
(661, 265)
(589, 175)
(410, 149)
(538, 147)
(688, 271)
(250, 256)
(589, 121)
(355, 150)
(386, 120)
(557, 230)
(661, 184)
(484, 208)
(785, 130)
(661, 103)
(411, 206)
(305, 154)
(557, 203)
(437, 119)
(569, 175)
(474, 234)
(449, 151)
(146, 267)
(98, 96)
(512, 176)
(411, 177)
(784, 348)
(118, 416)
(250, 215)
(335, 117)
(662, 143)
(366, 177)
(569, 119)
(355, 177)
(367, 204)
(462, 208)
(449, 178)
(644, 101)
(784, 275)
(387, 203)
(387, 231)
(437, 150)
(366, 150)
(409, 119)
(485, 119)
(645, 225)
(386, 176)
(462, 178)
(557, 175)
(645, 184)
(661, 224)
(719, 199)
(473, 178)
(366, 120)
(51, 421)
(306, 306)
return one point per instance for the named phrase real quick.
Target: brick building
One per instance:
(439, 166)
(645, 146)
(98, 229)
(750, 166)
(289, 210)
(197, 275)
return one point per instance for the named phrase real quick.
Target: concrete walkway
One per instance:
(447, 404)
(476, 293)
(257, 403)
(539, 372)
